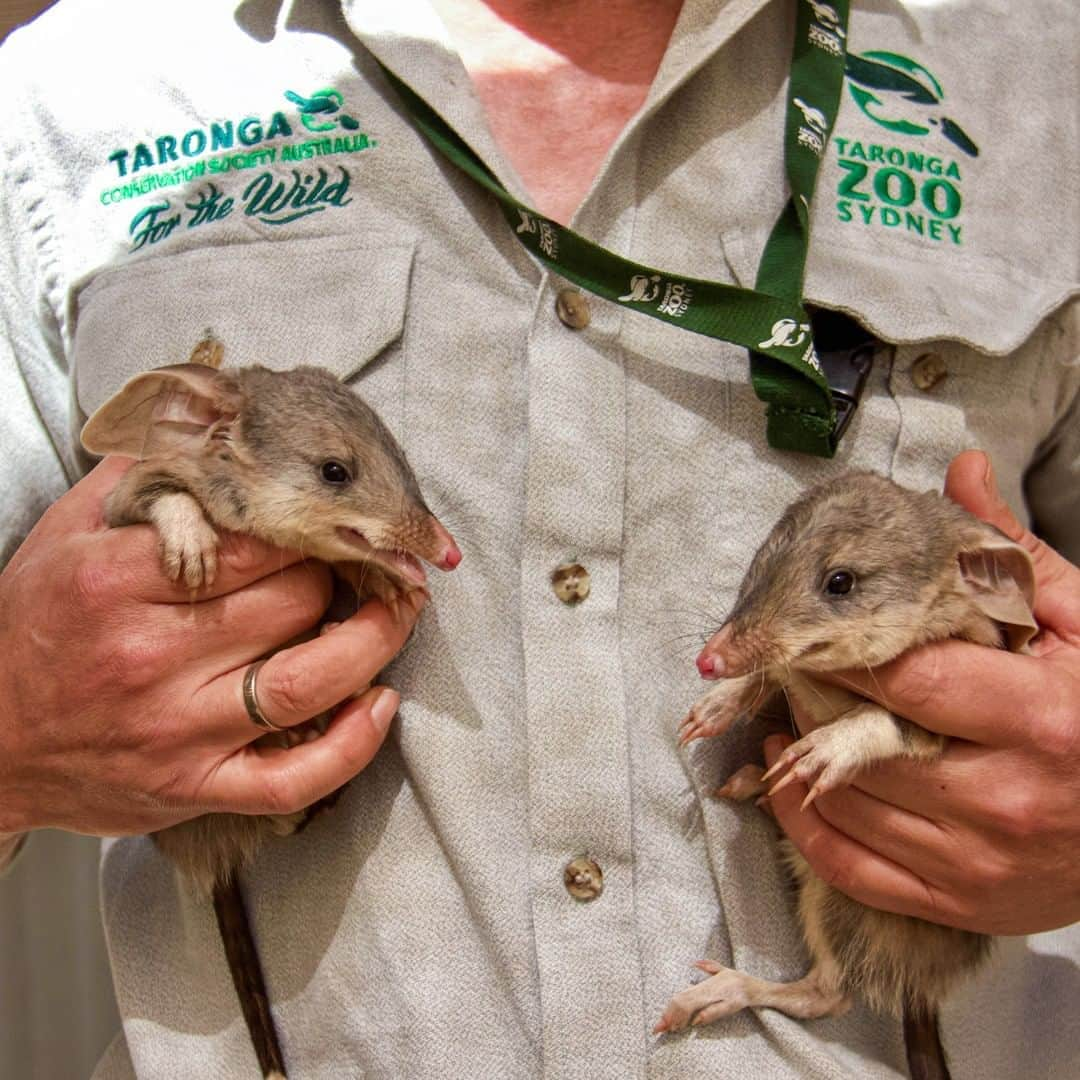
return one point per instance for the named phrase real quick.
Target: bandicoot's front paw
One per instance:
(189, 551)
(718, 709)
(824, 759)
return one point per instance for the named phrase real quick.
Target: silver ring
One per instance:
(251, 702)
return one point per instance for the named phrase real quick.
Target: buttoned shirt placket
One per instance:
(579, 766)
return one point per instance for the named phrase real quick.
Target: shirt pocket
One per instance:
(972, 353)
(332, 302)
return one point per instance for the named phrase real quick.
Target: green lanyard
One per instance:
(770, 320)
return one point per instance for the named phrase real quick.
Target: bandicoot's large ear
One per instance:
(169, 409)
(1000, 575)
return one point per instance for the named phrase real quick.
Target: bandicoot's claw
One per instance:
(811, 795)
(774, 768)
(789, 757)
(782, 783)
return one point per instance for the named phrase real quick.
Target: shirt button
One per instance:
(583, 879)
(928, 370)
(571, 583)
(572, 309)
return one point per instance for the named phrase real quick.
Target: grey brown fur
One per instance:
(243, 450)
(253, 468)
(924, 570)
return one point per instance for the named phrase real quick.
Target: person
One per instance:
(249, 169)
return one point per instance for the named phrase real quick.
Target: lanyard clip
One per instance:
(846, 353)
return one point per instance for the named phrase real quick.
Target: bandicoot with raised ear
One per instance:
(856, 572)
(300, 461)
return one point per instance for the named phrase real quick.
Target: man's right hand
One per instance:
(121, 708)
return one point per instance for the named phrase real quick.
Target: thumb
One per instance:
(971, 483)
(82, 508)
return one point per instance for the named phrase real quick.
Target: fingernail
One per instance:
(383, 707)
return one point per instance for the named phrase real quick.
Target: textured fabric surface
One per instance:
(422, 929)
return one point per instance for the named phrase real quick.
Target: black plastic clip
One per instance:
(846, 353)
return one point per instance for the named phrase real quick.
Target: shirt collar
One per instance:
(409, 38)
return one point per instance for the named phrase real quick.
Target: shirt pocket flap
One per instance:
(906, 296)
(330, 302)
(992, 308)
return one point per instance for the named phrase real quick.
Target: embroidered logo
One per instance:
(233, 145)
(915, 188)
(324, 103)
(911, 96)
(268, 198)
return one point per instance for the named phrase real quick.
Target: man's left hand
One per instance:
(987, 836)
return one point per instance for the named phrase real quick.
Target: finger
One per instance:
(958, 689)
(129, 558)
(970, 482)
(848, 865)
(908, 838)
(226, 632)
(258, 780)
(300, 682)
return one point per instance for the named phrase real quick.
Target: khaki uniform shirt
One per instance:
(162, 179)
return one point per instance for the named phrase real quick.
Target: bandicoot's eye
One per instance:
(333, 472)
(839, 582)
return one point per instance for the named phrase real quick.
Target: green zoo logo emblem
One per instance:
(324, 103)
(915, 187)
(901, 95)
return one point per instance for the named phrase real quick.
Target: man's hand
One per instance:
(986, 837)
(121, 708)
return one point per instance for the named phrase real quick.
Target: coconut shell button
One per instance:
(583, 879)
(928, 370)
(572, 309)
(571, 583)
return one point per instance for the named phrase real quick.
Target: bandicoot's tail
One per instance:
(248, 977)
(925, 1054)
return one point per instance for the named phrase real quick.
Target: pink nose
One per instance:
(713, 661)
(710, 666)
(450, 555)
(706, 665)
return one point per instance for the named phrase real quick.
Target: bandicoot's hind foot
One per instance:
(743, 784)
(728, 991)
(723, 995)
(716, 710)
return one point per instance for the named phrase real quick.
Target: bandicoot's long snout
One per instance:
(724, 655)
